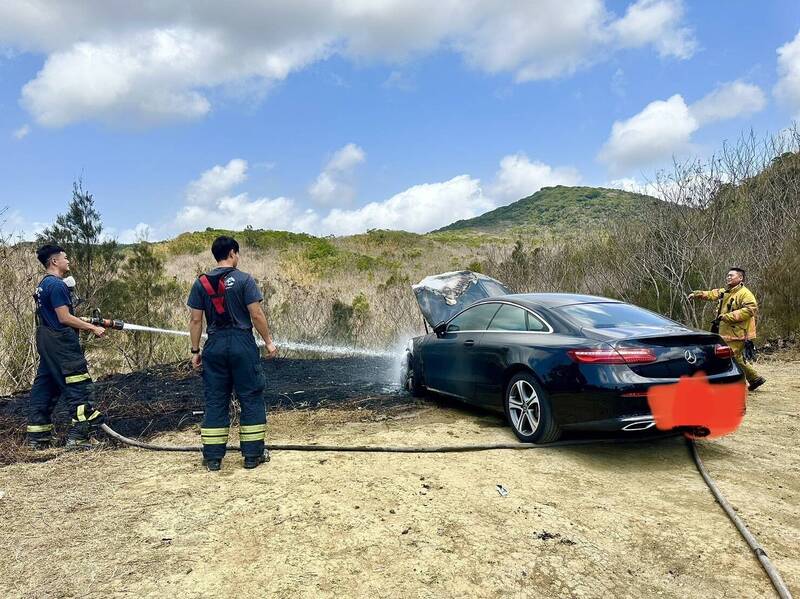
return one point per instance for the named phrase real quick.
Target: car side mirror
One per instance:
(440, 328)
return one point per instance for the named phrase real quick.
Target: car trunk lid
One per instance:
(678, 350)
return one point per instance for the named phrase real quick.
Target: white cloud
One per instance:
(657, 132)
(21, 132)
(11, 221)
(334, 183)
(665, 127)
(661, 188)
(656, 22)
(14, 225)
(151, 62)
(211, 203)
(518, 178)
(210, 200)
(239, 211)
(618, 83)
(538, 40)
(399, 80)
(141, 232)
(728, 101)
(216, 182)
(153, 76)
(346, 158)
(419, 208)
(625, 184)
(787, 90)
(689, 187)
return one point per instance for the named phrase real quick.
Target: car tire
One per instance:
(413, 378)
(528, 410)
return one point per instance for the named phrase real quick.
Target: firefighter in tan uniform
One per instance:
(735, 320)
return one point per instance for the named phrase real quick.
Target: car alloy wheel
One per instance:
(528, 410)
(523, 408)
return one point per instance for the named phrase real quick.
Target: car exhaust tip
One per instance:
(639, 425)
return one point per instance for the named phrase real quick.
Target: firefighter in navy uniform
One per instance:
(62, 365)
(230, 301)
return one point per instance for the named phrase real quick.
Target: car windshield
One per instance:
(606, 316)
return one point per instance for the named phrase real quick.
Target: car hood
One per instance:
(442, 296)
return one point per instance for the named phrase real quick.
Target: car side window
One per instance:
(509, 318)
(473, 319)
(536, 324)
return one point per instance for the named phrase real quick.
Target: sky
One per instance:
(336, 117)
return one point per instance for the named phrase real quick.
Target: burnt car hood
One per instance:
(442, 296)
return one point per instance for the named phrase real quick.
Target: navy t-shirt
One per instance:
(52, 293)
(240, 291)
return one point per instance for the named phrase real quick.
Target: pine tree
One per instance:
(94, 259)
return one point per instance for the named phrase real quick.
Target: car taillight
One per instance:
(723, 351)
(613, 356)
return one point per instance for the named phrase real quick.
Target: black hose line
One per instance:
(382, 448)
(758, 550)
(766, 564)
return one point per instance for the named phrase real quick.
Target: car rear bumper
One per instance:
(635, 423)
(620, 407)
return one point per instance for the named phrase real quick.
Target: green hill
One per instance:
(559, 207)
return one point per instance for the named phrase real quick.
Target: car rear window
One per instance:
(473, 319)
(606, 316)
(534, 324)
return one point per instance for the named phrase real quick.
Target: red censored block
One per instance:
(694, 403)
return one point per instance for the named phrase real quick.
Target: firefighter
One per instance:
(230, 302)
(736, 320)
(62, 364)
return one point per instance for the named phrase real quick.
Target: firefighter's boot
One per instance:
(78, 436)
(38, 444)
(86, 422)
(39, 436)
(251, 462)
(212, 465)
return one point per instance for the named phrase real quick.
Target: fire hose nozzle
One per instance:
(106, 323)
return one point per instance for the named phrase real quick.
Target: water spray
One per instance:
(342, 350)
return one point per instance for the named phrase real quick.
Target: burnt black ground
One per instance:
(169, 397)
(164, 398)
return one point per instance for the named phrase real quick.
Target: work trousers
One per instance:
(62, 372)
(738, 355)
(231, 361)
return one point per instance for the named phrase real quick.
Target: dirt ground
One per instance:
(589, 521)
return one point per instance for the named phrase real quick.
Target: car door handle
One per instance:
(469, 342)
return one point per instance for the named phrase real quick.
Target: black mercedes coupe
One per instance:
(553, 361)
